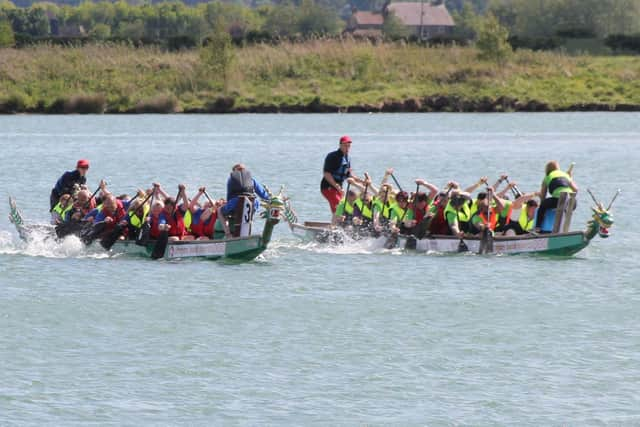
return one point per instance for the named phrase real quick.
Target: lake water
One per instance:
(310, 334)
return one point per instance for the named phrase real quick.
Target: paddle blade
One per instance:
(462, 246)
(111, 237)
(160, 246)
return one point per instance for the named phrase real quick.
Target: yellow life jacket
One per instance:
(525, 223)
(366, 211)
(135, 220)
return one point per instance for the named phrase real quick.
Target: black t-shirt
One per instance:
(337, 164)
(67, 181)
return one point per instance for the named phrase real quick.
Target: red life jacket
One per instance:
(196, 229)
(154, 233)
(209, 227)
(493, 219)
(439, 223)
(176, 221)
(116, 216)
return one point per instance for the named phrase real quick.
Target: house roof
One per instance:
(364, 17)
(409, 14)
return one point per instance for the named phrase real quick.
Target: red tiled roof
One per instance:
(409, 14)
(368, 18)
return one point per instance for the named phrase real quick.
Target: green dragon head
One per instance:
(602, 220)
(274, 207)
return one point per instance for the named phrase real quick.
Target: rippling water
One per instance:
(311, 334)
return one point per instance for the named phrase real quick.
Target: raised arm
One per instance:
(433, 190)
(194, 202)
(474, 187)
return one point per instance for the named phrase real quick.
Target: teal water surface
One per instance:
(310, 334)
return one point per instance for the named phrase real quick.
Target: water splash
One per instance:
(42, 244)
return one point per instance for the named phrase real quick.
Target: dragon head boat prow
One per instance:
(602, 219)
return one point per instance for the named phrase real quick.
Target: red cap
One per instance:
(82, 163)
(345, 139)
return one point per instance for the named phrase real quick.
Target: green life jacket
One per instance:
(344, 208)
(525, 223)
(365, 209)
(462, 215)
(558, 182)
(399, 213)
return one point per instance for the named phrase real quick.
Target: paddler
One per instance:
(486, 216)
(345, 209)
(458, 211)
(105, 218)
(555, 182)
(69, 179)
(337, 168)
(59, 211)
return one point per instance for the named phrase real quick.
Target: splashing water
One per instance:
(42, 244)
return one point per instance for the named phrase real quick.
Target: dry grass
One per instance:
(338, 72)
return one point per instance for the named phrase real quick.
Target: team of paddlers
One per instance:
(151, 212)
(448, 211)
(451, 210)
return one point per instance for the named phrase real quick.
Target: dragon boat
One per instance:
(556, 239)
(245, 247)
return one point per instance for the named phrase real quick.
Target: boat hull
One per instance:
(562, 244)
(240, 249)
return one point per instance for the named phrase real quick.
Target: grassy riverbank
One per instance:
(323, 75)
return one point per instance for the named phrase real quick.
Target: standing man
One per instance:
(65, 183)
(337, 168)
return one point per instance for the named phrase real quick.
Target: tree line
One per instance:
(261, 20)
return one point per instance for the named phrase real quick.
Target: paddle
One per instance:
(163, 239)
(88, 203)
(397, 183)
(514, 189)
(486, 244)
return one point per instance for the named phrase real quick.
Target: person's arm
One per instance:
(520, 201)
(573, 186)
(330, 165)
(261, 191)
(474, 187)
(452, 220)
(499, 181)
(499, 202)
(162, 193)
(225, 223)
(184, 206)
(91, 215)
(543, 190)
(193, 206)
(386, 175)
(433, 190)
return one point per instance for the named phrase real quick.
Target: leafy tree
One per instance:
(466, 22)
(281, 20)
(100, 31)
(7, 38)
(493, 40)
(316, 19)
(393, 28)
(217, 55)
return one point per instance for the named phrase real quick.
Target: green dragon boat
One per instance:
(563, 243)
(238, 249)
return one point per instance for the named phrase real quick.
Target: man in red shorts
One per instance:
(337, 168)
